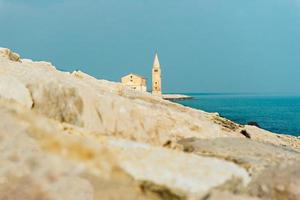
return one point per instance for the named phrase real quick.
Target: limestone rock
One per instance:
(278, 183)
(11, 88)
(252, 155)
(221, 195)
(185, 174)
(55, 161)
(261, 135)
(108, 108)
(9, 55)
(65, 102)
(40, 64)
(38, 161)
(70, 136)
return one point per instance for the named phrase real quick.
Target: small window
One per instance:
(156, 70)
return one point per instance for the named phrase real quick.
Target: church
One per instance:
(139, 83)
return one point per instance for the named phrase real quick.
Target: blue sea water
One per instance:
(279, 114)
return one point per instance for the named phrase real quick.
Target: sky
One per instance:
(223, 46)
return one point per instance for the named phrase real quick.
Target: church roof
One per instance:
(132, 74)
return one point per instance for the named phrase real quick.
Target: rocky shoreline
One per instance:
(70, 136)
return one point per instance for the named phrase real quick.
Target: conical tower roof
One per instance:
(156, 62)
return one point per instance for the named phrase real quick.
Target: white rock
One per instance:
(12, 88)
(108, 108)
(96, 140)
(191, 174)
(38, 149)
(9, 55)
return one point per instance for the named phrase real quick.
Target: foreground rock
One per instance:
(177, 170)
(110, 109)
(221, 195)
(38, 161)
(278, 183)
(7, 54)
(44, 159)
(70, 136)
(252, 155)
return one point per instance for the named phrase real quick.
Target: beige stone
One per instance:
(40, 161)
(254, 156)
(188, 174)
(13, 89)
(9, 55)
(109, 108)
(70, 136)
(279, 183)
(221, 195)
(65, 163)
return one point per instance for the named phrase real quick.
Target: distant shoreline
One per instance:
(241, 94)
(174, 97)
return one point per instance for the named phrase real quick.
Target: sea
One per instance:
(276, 113)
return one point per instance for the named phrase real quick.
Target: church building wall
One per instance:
(135, 82)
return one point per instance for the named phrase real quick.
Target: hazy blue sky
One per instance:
(203, 45)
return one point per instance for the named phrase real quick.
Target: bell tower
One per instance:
(156, 77)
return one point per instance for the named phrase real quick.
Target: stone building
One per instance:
(139, 83)
(135, 82)
(156, 77)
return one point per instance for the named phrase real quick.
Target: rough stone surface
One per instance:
(70, 136)
(278, 183)
(252, 155)
(39, 161)
(9, 55)
(12, 89)
(177, 170)
(109, 108)
(65, 163)
(221, 195)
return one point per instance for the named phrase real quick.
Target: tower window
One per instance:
(156, 70)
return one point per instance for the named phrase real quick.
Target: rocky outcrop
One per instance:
(65, 102)
(254, 156)
(12, 89)
(109, 108)
(177, 170)
(56, 163)
(9, 55)
(70, 136)
(39, 161)
(279, 182)
(219, 195)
